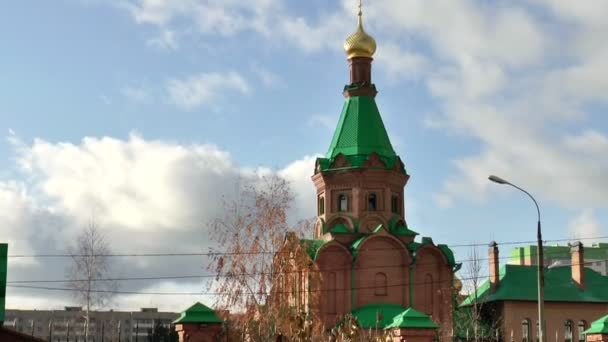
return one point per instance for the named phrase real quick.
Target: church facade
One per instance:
(370, 262)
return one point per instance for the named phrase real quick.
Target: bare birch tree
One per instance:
(90, 264)
(474, 269)
(248, 235)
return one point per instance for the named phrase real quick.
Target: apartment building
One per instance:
(68, 324)
(596, 256)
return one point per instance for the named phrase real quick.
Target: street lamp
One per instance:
(539, 260)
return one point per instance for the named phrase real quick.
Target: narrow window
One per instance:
(321, 205)
(582, 326)
(331, 292)
(395, 204)
(428, 294)
(568, 331)
(371, 202)
(381, 284)
(525, 330)
(342, 203)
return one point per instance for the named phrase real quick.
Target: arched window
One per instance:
(372, 204)
(381, 284)
(525, 330)
(342, 202)
(582, 326)
(395, 204)
(568, 331)
(321, 205)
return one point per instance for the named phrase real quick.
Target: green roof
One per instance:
(520, 283)
(378, 315)
(3, 271)
(340, 229)
(598, 327)
(360, 130)
(412, 318)
(359, 133)
(198, 313)
(312, 247)
(445, 250)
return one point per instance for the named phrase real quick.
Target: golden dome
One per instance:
(360, 44)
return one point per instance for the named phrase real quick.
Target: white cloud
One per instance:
(147, 195)
(268, 78)
(443, 201)
(584, 226)
(165, 40)
(326, 121)
(204, 88)
(136, 94)
(399, 64)
(505, 80)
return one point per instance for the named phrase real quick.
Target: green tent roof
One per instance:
(378, 315)
(520, 283)
(360, 130)
(412, 318)
(598, 327)
(198, 313)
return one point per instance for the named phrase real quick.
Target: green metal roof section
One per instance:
(340, 229)
(312, 247)
(198, 313)
(3, 271)
(598, 327)
(360, 130)
(378, 315)
(412, 318)
(520, 283)
(445, 250)
(400, 228)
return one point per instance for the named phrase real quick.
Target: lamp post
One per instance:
(539, 260)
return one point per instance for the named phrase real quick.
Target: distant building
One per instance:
(58, 325)
(596, 256)
(574, 297)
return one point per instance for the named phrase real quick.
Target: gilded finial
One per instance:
(360, 44)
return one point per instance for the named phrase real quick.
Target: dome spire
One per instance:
(360, 44)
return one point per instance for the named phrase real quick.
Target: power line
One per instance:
(218, 275)
(214, 254)
(65, 289)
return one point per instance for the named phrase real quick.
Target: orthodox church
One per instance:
(370, 262)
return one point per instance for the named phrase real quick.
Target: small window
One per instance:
(568, 331)
(380, 284)
(525, 330)
(582, 326)
(321, 205)
(395, 204)
(372, 203)
(342, 203)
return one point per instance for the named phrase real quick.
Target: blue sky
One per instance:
(144, 111)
